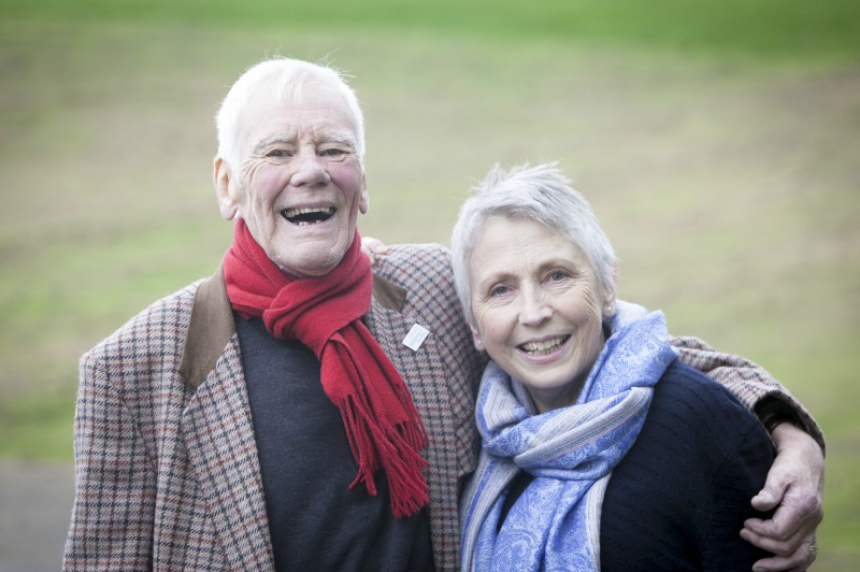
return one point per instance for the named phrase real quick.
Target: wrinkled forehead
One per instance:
(506, 232)
(273, 107)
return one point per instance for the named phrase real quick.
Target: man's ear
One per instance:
(476, 338)
(228, 196)
(364, 200)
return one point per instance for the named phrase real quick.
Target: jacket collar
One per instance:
(211, 325)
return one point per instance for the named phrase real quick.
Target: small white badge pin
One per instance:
(416, 337)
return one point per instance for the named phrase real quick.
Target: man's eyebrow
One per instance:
(338, 136)
(329, 136)
(263, 143)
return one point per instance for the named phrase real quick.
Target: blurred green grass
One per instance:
(717, 142)
(793, 28)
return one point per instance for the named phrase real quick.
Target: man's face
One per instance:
(299, 183)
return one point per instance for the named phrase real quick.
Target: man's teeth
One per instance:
(305, 216)
(544, 347)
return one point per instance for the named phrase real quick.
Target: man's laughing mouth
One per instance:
(306, 216)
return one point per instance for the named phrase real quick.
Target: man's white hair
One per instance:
(281, 78)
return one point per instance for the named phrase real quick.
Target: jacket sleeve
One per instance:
(752, 385)
(113, 511)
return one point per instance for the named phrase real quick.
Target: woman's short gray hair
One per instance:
(283, 77)
(541, 193)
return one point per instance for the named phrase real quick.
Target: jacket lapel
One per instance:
(219, 433)
(424, 370)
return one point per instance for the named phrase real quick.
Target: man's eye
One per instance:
(277, 154)
(334, 152)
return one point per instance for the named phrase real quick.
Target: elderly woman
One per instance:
(600, 449)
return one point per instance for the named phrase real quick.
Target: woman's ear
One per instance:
(228, 196)
(476, 338)
(609, 294)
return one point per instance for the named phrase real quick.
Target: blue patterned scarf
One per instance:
(555, 524)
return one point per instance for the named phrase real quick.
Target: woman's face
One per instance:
(537, 308)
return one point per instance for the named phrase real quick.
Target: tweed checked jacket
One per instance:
(167, 472)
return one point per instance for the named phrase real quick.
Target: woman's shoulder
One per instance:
(689, 392)
(686, 482)
(695, 422)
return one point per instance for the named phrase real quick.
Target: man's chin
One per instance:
(315, 262)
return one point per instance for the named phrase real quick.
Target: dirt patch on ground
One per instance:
(35, 507)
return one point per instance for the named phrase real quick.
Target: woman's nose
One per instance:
(534, 309)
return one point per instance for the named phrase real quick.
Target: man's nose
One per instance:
(310, 169)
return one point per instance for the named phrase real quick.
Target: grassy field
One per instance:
(718, 143)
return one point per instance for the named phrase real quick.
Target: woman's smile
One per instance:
(548, 348)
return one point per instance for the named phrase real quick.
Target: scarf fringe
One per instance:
(401, 462)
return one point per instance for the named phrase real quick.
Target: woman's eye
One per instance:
(332, 152)
(277, 154)
(557, 276)
(499, 290)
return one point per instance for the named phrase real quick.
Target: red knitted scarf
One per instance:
(324, 313)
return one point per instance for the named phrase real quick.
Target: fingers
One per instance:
(767, 499)
(779, 546)
(778, 480)
(373, 248)
(789, 535)
(798, 561)
(794, 487)
(799, 513)
(375, 245)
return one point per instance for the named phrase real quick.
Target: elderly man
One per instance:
(298, 411)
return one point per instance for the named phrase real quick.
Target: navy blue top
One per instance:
(316, 522)
(679, 498)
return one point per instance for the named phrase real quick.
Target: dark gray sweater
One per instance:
(316, 522)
